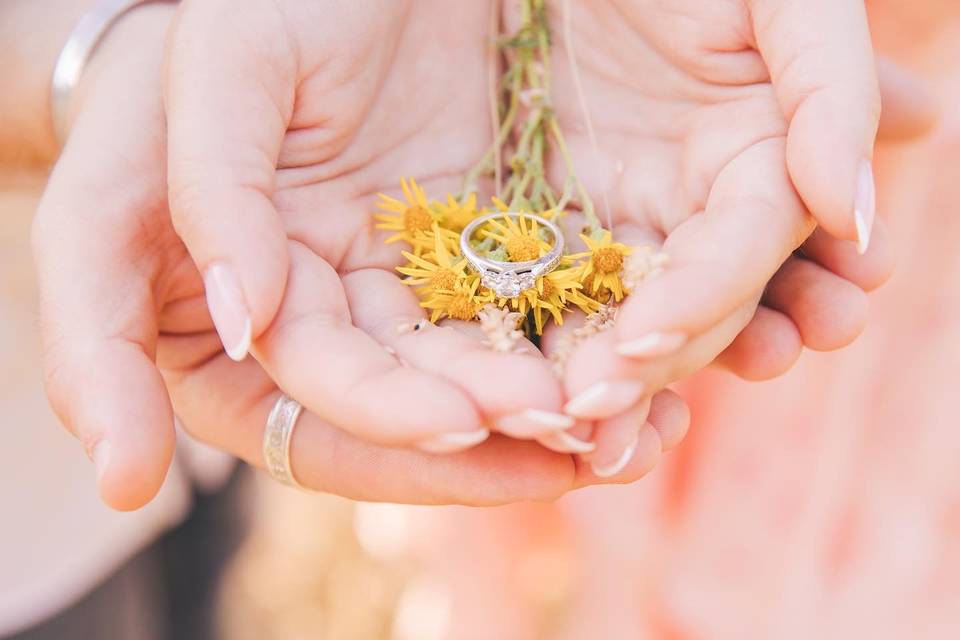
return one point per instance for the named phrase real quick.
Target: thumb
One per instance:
(821, 61)
(98, 324)
(229, 98)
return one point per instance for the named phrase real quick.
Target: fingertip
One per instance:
(828, 184)
(128, 479)
(670, 416)
(868, 271)
(828, 311)
(766, 348)
(121, 412)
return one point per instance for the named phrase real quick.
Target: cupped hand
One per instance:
(707, 131)
(119, 288)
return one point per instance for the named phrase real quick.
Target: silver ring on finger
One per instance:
(277, 437)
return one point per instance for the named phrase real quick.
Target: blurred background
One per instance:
(825, 504)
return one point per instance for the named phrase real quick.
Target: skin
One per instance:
(277, 144)
(720, 138)
(321, 345)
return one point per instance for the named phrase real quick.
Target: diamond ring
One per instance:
(510, 279)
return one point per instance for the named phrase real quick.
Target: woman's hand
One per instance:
(697, 150)
(119, 289)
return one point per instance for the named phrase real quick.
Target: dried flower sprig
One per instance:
(526, 130)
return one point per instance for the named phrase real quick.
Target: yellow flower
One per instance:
(437, 270)
(519, 237)
(455, 216)
(552, 294)
(604, 268)
(411, 220)
(462, 302)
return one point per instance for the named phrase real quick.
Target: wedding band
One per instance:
(510, 279)
(276, 439)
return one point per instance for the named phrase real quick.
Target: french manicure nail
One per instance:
(609, 469)
(652, 345)
(100, 455)
(563, 442)
(533, 422)
(228, 309)
(864, 205)
(605, 399)
(453, 442)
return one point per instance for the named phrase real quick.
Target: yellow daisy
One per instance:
(455, 216)
(462, 302)
(411, 220)
(604, 268)
(437, 270)
(519, 237)
(552, 294)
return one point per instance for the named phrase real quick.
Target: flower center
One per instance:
(522, 249)
(443, 279)
(548, 289)
(417, 219)
(608, 260)
(462, 307)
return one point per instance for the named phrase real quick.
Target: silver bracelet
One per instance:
(81, 44)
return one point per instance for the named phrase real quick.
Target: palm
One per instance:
(687, 127)
(378, 103)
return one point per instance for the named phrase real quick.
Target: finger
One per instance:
(338, 371)
(229, 99)
(670, 416)
(867, 271)
(644, 458)
(594, 362)
(828, 311)
(821, 62)
(910, 110)
(718, 260)
(99, 327)
(516, 393)
(226, 405)
(766, 348)
(617, 440)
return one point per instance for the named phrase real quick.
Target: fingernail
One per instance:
(100, 455)
(563, 442)
(228, 310)
(605, 399)
(453, 442)
(609, 469)
(652, 345)
(533, 422)
(865, 206)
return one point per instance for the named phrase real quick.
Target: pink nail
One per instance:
(228, 309)
(563, 442)
(652, 345)
(611, 468)
(865, 205)
(453, 442)
(533, 422)
(605, 399)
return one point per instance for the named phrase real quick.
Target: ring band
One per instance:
(510, 279)
(276, 439)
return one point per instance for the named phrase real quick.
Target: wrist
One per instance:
(32, 35)
(127, 61)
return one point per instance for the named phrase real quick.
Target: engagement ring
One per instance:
(510, 279)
